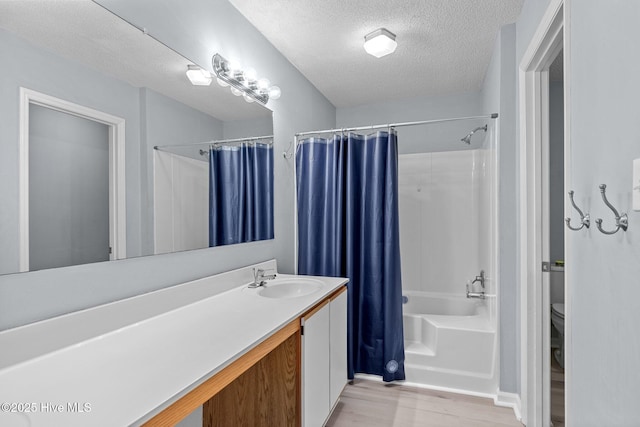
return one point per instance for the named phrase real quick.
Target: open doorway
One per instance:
(540, 215)
(556, 194)
(72, 194)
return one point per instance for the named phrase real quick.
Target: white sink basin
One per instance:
(289, 288)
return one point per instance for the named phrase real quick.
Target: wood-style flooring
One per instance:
(557, 393)
(375, 404)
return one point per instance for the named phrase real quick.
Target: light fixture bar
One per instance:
(242, 83)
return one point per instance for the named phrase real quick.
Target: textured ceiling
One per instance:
(83, 31)
(444, 46)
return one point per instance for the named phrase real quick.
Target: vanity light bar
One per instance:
(243, 82)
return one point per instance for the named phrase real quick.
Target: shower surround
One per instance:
(447, 235)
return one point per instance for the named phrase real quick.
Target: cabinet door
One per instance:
(315, 368)
(338, 346)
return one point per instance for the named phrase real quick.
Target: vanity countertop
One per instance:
(122, 363)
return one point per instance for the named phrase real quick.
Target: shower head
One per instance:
(467, 139)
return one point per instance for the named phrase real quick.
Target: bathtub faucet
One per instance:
(480, 279)
(480, 294)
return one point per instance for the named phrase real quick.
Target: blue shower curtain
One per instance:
(240, 193)
(347, 190)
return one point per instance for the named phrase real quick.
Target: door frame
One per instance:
(551, 36)
(117, 191)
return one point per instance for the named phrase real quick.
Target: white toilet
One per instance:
(557, 319)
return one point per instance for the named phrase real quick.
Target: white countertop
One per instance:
(128, 360)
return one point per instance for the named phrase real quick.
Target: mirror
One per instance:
(224, 187)
(80, 54)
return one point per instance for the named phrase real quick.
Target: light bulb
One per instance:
(222, 82)
(250, 74)
(274, 92)
(233, 67)
(236, 92)
(264, 83)
(248, 98)
(234, 70)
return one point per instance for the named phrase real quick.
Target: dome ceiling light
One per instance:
(380, 42)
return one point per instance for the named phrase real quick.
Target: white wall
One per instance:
(181, 203)
(603, 272)
(442, 219)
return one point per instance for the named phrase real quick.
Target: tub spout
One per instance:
(475, 294)
(470, 293)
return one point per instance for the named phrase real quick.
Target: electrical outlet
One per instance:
(636, 185)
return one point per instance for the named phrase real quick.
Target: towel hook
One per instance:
(585, 219)
(289, 153)
(622, 221)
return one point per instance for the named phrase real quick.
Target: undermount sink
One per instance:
(289, 288)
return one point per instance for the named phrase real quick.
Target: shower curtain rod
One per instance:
(220, 141)
(393, 125)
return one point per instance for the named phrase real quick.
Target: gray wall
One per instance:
(525, 27)
(603, 272)
(499, 95)
(244, 128)
(216, 26)
(424, 138)
(212, 26)
(556, 172)
(68, 189)
(72, 82)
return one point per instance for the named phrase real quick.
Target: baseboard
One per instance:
(509, 400)
(501, 398)
(376, 378)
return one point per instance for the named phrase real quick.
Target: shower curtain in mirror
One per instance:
(240, 193)
(347, 191)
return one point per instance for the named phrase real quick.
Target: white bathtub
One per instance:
(449, 342)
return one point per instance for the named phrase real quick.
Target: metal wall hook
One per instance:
(585, 219)
(622, 221)
(289, 153)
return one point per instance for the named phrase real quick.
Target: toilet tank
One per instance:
(556, 284)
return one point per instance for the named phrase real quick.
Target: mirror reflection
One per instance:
(73, 61)
(235, 207)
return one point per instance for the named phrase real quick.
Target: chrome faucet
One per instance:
(480, 294)
(480, 279)
(260, 278)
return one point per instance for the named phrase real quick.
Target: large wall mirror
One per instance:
(87, 98)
